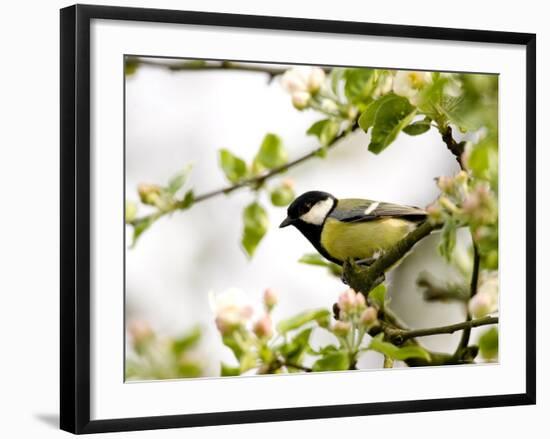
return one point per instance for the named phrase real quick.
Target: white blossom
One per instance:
(230, 308)
(300, 99)
(303, 79)
(409, 84)
(384, 86)
(329, 106)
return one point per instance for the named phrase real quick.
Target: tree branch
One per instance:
(399, 336)
(364, 279)
(464, 340)
(197, 65)
(260, 179)
(296, 366)
(456, 148)
(256, 181)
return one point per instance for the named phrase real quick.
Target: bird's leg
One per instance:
(366, 262)
(379, 280)
(369, 261)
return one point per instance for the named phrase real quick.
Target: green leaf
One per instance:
(256, 223)
(318, 260)
(378, 296)
(359, 84)
(483, 161)
(187, 341)
(178, 180)
(301, 319)
(325, 130)
(314, 259)
(230, 341)
(141, 225)
(187, 201)
(294, 350)
(417, 128)
(367, 118)
(188, 369)
(229, 371)
(488, 344)
(248, 361)
(282, 196)
(233, 166)
(265, 354)
(397, 353)
(447, 241)
(130, 66)
(324, 350)
(272, 153)
(338, 360)
(391, 118)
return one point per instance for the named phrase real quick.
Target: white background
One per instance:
(29, 173)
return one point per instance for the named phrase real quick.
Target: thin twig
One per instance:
(456, 148)
(399, 336)
(297, 366)
(193, 65)
(258, 180)
(464, 340)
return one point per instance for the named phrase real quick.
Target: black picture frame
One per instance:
(75, 217)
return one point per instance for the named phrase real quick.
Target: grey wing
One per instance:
(354, 210)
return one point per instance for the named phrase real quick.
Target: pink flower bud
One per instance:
(445, 183)
(346, 301)
(263, 328)
(479, 305)
(360, 302)
(149, 193)
(288, 183)
(340, 328)
(140, 331)
(435, 212)
(270, 299)
(300, 99)
(369, 317)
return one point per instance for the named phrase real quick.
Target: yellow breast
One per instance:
(362, 240)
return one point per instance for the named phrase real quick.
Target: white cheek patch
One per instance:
(317, 214)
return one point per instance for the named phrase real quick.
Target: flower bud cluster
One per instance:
(469, 202)
(303, 83)
(149, 193)
(231, 311)
(353, 309)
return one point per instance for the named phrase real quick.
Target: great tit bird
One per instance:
(351, 228)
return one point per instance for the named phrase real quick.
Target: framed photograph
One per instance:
(268, 218)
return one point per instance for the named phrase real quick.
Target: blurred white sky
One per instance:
(176, 118)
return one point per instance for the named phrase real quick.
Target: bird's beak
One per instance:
(287, 222)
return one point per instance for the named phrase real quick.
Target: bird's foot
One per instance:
(369, 261)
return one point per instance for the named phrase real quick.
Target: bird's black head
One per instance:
(309, 209)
